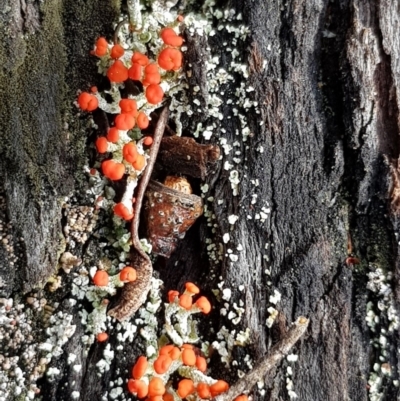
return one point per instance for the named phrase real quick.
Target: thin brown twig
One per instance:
(134, 294)
(276, 354)
(158, 134)
(117, 29)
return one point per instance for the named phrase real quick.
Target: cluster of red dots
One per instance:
(138, 68)
(146, 377)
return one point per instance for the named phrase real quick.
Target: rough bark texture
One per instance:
(326, 77)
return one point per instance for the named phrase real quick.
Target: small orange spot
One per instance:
(185, 388)
(101, 144)
(139, 163)
(140, 58)
(192, 288)
(142, 122)
(241, 398)
(185, 301)
(162, 364)
(140, 367)
(101, 48)
(170, 59)
(113, 135)
(128, 106)
(113, 170)
(172, 294)
(154, 94)
(127, 274)
(101, 278)
(219, 387)
(203, 390)
(169, 37)
(117, 72)
(156, 387)
(117, 51)
(87, 102)
(147, 141)
(101, 337)
(204, 305)
(352, 261)
(188, 357)
(201, 363)
(124, 122)
(138, 387)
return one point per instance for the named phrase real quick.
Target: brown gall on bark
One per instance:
(185, 156)
(169, 213)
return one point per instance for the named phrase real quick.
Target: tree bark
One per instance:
(319, 184)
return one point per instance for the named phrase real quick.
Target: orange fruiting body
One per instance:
(140, 58)
(113, 170)
(139, 163)
(172, 294)
(219, 387)
(204, 305)
(117, 72)
(138, 387)
(171, 350)
(188, 357)
(101, 337)
(147, 141)
(101, 144)
(169, 37)
(122, 211)
(101, 278)
(151, 75)
(185, 388)
(170, 59)
(129, 152)
(242, 397)
(124, 122)
(192, 288)
(128, 106)
(135, 72)
(185, 301)
(87, 102)
(117, 51)
(162, 364)
(128, 274)
(142, 120)
(154, 94)
(139, 368)
(156, 387)
(101, 47)
(155, 398)
(175, 353)
(168, 397)
(201, 363)
(166, 349)
(203, 390)
(113, 135)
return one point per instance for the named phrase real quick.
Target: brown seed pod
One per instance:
(180, 184)
(168, 214)
(183, 155)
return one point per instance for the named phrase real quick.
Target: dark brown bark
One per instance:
(326, 76)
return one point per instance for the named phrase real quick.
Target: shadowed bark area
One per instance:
(322, 158)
